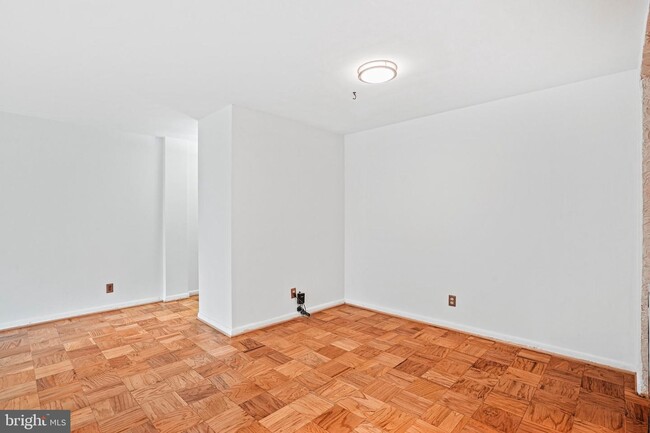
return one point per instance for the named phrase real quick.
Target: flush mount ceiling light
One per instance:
(377, 71)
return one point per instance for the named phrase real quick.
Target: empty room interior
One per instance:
(362, 216)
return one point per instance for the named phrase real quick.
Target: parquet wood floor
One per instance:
(156, 368)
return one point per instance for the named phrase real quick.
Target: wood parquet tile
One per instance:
(156, 368)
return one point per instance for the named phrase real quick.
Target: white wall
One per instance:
(270, 218)
(215, 208)
(193, 217)
(79, 208)
(528, 209)
(180, 237)
(287, 216)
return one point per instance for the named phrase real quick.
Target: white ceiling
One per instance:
(154, 66)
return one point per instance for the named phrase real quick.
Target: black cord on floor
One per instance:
(302, 310)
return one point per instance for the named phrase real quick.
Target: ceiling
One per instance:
(155, 66)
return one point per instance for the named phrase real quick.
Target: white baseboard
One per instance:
(278, 319)
(231, 332)
(214, 324)
(176, 297)
(75, 313)
(498, 336)
(193, 292)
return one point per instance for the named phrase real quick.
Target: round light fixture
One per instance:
(377, 71)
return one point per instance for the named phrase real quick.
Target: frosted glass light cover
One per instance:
(377, 71)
